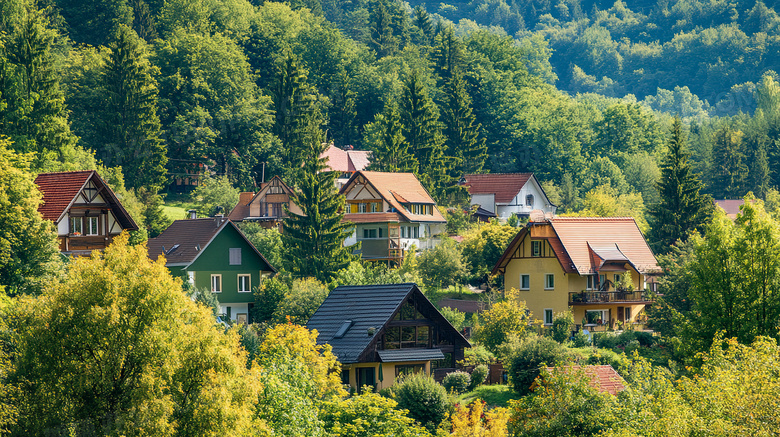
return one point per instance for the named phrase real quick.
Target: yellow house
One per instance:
(582, 263)
(380, 332)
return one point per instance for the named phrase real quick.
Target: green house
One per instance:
(213, 254)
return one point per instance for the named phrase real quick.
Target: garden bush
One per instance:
(457, 381)
(561, 327)
(478, 376)
(426, 399)
(526, 360)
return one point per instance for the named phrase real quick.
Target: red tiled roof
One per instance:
(358, 159)
(731, 206)
(603, 378)
(345, 160)
(59, 189)
(397, 188)
(505, 186)
(579, 234)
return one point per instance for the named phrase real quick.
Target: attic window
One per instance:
(529, 200)
(344, 327)
(235, 256)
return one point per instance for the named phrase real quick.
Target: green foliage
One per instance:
(457, 381)
(301, 301)
(425, 399)
(368, 273)
(477, 355)
(456, 318)
(28, 244)
(532, 354)
(90, 353)
(268, 296)
(478, 376)
(267, 241)
(482, 246)
(561, 326)
(504, 320)
(563, 404)
(441, 266)
(385, 138)
(207, 299)
(215, 196)
(495, 395)
(368, 414)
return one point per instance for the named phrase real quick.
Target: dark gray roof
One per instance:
(398, 355)
(368, 306)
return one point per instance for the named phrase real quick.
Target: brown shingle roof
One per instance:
(603, 378)
(396, 188)
(58, 190)
(191, 236)
(505, 186)
(619, 233)
(241, 209)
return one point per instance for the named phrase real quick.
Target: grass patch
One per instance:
(175, 212)
(496, 395)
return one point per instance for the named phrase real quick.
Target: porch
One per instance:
(587, 297)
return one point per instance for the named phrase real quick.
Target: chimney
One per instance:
(193, 214)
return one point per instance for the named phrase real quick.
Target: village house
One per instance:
(345, 161)
(582, 263)
(85, 211)
(391, 212)
(267, 206)
(380, 332)
(499, 195)
(213, 255)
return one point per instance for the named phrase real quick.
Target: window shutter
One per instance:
(235, 256)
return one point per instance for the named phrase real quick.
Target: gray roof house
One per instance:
(379, 332)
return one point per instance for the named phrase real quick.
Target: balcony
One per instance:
(599, 297)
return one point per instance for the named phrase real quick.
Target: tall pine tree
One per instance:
(462, 132)
(729, 169)
(130, 123)
(422, 131)
(390, 151)
(447, 54)
(683, 208)
(380, 37)
(314, 240)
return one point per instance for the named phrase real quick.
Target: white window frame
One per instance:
(234, 258)
(248, 289)
(549, 281)
(536, 248)
(528, 277)
(604, 315)
(216, 283)
(76, 221)
(191, 278)
(89, 221)
(548, 315)
(591, 279)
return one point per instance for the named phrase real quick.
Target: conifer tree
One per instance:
(461, 130)
(343, 113)
(381, 37)
(423, 133)
(683, 208)
(314, 240)
(130, 123)
(448, 54)
(730, 171)
(391, 151)
(422, 20)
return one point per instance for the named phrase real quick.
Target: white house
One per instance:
(503, 194)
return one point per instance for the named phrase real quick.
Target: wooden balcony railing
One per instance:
(588, 297)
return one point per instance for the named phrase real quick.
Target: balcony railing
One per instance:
(586, 297)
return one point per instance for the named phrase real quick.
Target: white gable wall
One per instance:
(519, 206)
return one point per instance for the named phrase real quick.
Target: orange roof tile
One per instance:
(398, 188)
(505, 186)
(345, 161)
(603, 378)
(59, 189)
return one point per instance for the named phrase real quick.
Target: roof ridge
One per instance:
(498, 174)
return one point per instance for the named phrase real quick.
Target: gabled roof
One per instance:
(61, 189)
(584, 244)
(366, 306)
(603, 378)
(185, 240)
(398, 188)
(504, 186)
(245, 199)
(730, 206)
(345, 161)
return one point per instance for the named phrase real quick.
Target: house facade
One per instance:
(582, 263)
(213, 255)
(85, 211)
(503, 194)
(391, 212)
(380, 332)
(267, 206)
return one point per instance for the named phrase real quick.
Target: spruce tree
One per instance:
(462, 132)
(314, 240)
(380, 36)
(131, 127)
(447, 54)
(423, 133)
(683, 207)
(391, 151)
(422, 20)
(729, 169)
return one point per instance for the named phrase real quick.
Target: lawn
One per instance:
(175, 212)
(497, 395)
(176, 205)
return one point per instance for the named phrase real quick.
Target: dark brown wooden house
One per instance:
(86, 213)
(267, 206)
(379, 332)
